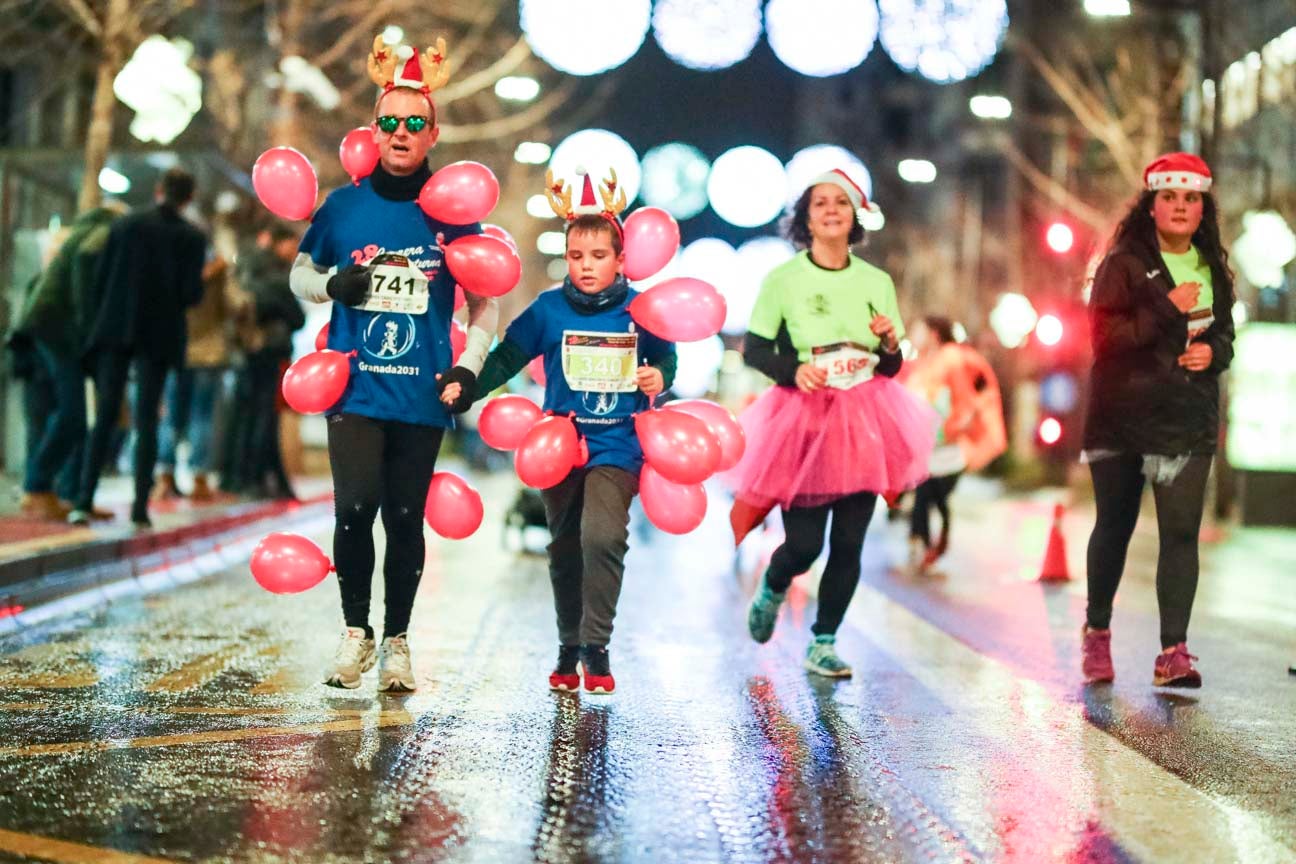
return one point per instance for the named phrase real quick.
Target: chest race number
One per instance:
(397, 284)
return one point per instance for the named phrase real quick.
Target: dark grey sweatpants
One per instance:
(588, 515)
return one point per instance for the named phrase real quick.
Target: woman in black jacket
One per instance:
(1162, 331)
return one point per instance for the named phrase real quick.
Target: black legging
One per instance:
(387, 464)
(1118, 486)
(932, 492)
(111, 370)
(804, 530)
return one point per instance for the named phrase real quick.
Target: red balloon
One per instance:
(681, 309)
(547, 453)
(458, 340)
(453, 509)
(676, 508)
(537, 371)
(506, 420)
(321, 338)
(484, 265)
(500, 234)
(317, 381)
(652, 237)
(723, 425)
(288, 563)
(582, 453)
(460, 193)
(285, 183)
(460, 300)
(678, 445)
(358, 153)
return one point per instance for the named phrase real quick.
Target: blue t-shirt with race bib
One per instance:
(604, 418)
(398, 355)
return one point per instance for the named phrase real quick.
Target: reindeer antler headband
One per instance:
(392, 66)
(560, 198)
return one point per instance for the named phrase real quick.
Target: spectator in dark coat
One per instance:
(150, 273)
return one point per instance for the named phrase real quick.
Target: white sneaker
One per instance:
(355, 656)
(395, 674)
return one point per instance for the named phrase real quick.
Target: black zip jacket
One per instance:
(1140, 399)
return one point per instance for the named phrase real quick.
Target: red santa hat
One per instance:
(1177, 171)
(842, 180)
(588, 203)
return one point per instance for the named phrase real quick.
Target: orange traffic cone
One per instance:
(1055, 560)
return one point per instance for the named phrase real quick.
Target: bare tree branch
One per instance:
(1054, 191)
(83, 14)
(512, 124)
(512, 59)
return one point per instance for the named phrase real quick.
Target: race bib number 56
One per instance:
(396, 285)
(600, 362)
(847, 363)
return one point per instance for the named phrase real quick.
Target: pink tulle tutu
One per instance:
(807, 449)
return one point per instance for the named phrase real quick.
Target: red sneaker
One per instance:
(566, 674)
(598, 670)
(1095, 650)
(1173, 668)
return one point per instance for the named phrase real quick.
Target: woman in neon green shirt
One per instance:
(836, 430)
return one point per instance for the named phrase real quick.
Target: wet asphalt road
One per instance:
(187, 725)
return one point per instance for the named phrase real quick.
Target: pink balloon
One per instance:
(321, 338)
(460, 193)
(285, 183)
(484, 265)
(317, 381)
(453, 509)
(652, 237)
(458, 340)
(681, 309)
(288, 563)
(460, 300)
(500, 234)
(547, 453)
(358, 153)
(676, 508)
(506, 420)
(536, 370)
(679, 446)
(722, 424)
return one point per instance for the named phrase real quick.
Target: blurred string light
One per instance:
(707, 34)
(747, 186)
(809, 163)
(821, 37)
(596, 150)
(159, 86)
(584, 37)
(1107, 8)
(697, 365)
(532, 152)
(1012, 319)
(538, 206)
(674, 178)
(756, 258)
(712, 260)
(990, 107)
(943, 40)
(1048, 330)
(917, 171)
(113, 182)
(556, 269)
(517, 88)
(552, 243)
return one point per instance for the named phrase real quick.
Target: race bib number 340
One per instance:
(847, 363)
(600, 362)
(395, 285)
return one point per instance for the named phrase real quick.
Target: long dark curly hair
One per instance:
(1138, 227)
(796, 224)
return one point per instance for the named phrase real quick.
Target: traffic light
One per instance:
(1060, 238)
(1049, 431)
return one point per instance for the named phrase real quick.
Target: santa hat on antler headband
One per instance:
(1177, 171)
(392, 66)
(560, 198)
(841, 179)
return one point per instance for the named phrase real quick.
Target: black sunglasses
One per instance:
(389, 123)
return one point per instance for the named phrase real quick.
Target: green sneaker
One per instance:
(822, 659)
(763, 613)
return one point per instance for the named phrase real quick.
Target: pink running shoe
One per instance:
(1173, 668)
(1096, 662)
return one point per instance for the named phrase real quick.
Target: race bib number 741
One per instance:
(396, 285)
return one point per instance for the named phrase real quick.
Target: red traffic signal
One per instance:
(1049, 431)
(1060, 237)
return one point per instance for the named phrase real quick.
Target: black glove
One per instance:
(467, 381)
(349, 285)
